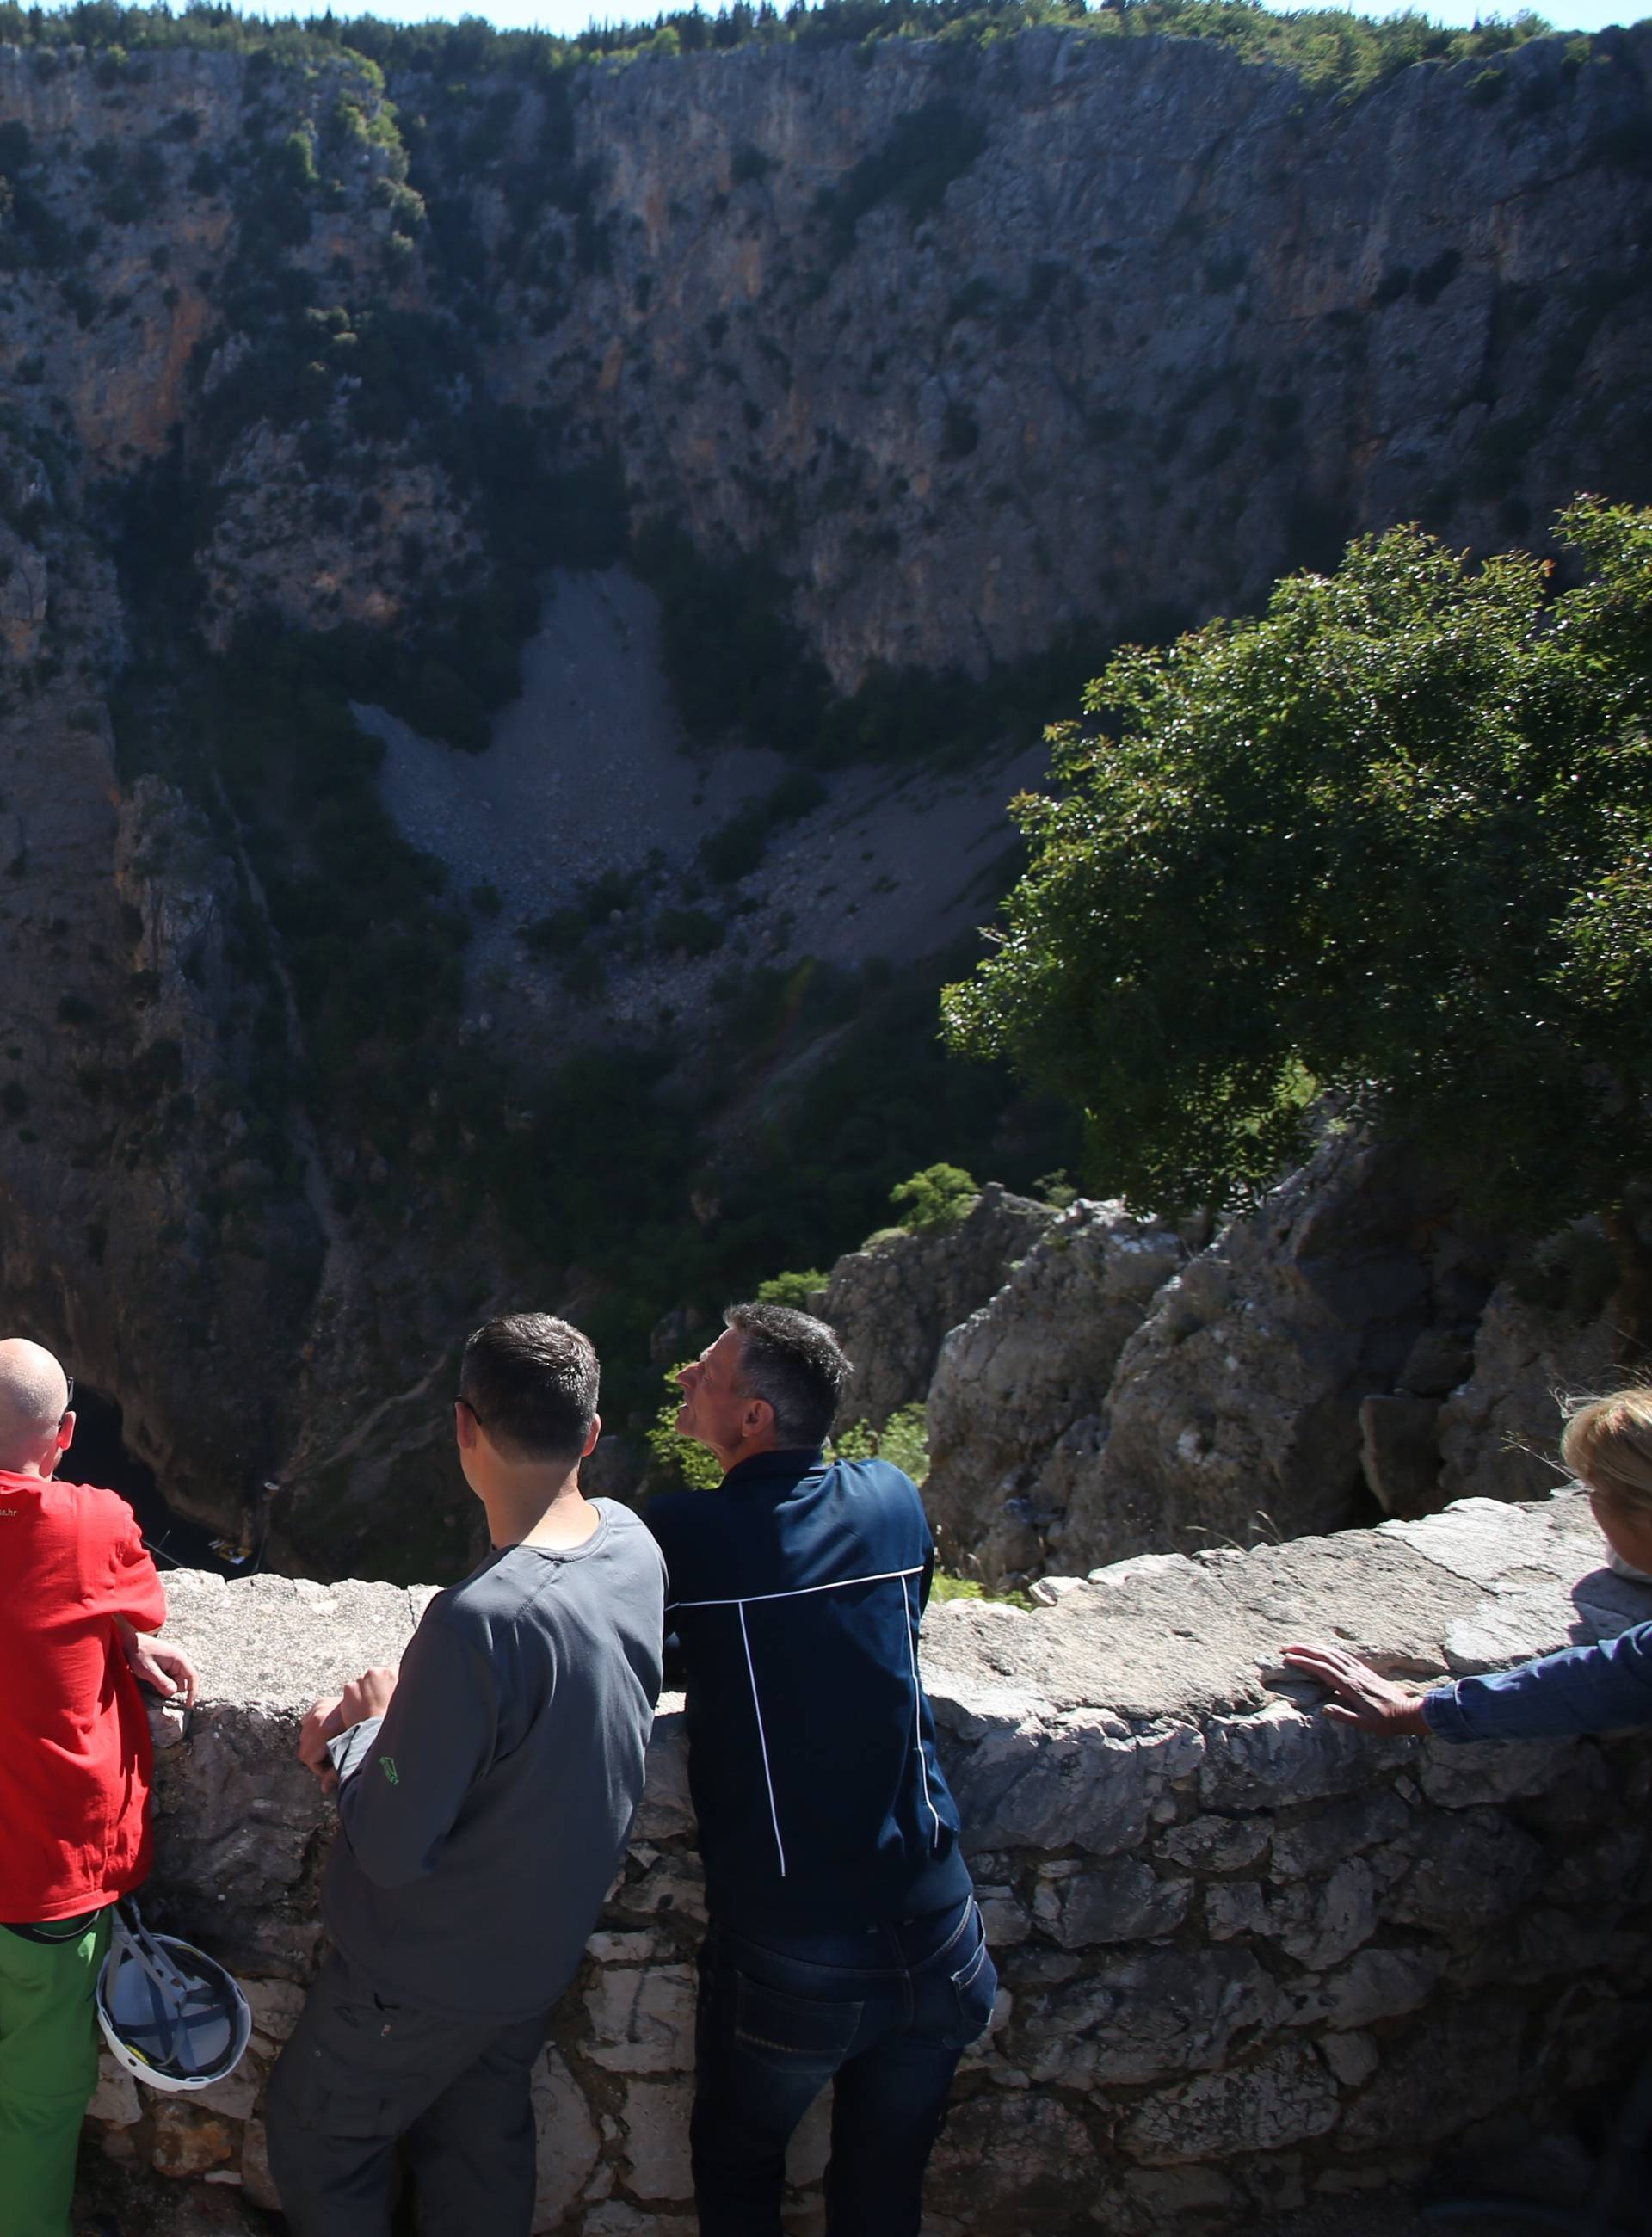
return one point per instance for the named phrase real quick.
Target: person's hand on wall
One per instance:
(1358, 1695)
(367, 1696)
(156, 1663)
(323, 1723)
(364, 1697)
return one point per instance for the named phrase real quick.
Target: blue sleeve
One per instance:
(1582, 1689)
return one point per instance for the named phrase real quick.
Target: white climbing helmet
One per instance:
(171, 2014)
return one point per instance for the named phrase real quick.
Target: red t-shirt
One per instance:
(75, 1754)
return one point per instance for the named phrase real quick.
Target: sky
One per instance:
(567, 16)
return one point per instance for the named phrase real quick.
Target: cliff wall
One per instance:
(1249, 1960)
(960, 353)
(1089, 331)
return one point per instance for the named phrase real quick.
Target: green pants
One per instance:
(48, 2070)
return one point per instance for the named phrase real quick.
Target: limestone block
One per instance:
(1458, 1774)
(1454, 2063)
(1216, 1845)
(1053, 1784)
(1353, 2058)
(1286, 2100)
(1004, 1916)
(1318, 1842)
(665, 1810)
(1376, 1984)
(617, 2218)
(1235, 1907)
(1321, 1921)
(641, 2022)
(115, 2098)
(258, 2185)
(1279, 1756)
(568, 2143)
(1317, 1922)
(1122, 1902)
(987, 2049)
(1015, 2160)
(279, 1641)
(1144, 2016)
(656, 2139)
(276, 2006)
(669, 1886)
(236, 2094)
(1167, 2192)
(188, 2142)
(609, 1948)
(1476, 1869)
(198, 2212)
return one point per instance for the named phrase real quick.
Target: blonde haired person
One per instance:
(1608, 1446)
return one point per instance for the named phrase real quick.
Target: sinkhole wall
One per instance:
(1248, 1956)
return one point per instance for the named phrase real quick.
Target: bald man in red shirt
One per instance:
(76, 1589)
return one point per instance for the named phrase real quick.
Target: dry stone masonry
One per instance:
(1249, 1958)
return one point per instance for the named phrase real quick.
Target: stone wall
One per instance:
(1249, 1957)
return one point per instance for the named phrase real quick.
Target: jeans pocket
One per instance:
(975, 1990)
(792, 2031)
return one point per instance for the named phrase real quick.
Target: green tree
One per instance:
(793, 1289)
(679, 1462)
(938, 1197)
(1390, 844)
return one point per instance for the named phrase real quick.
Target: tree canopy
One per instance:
(1388, 844)
(1331, 48)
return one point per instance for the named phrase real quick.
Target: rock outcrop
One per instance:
(893, 1301)
(1122, 1395)
(1249, 1958)
(1495, 1431)
(1019, 1395)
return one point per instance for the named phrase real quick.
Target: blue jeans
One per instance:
(888, 2012)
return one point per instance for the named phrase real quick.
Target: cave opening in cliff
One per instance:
(99, 1456)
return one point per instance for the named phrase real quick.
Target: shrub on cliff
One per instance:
(1392, 842)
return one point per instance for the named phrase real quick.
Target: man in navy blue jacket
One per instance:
(844, 1939)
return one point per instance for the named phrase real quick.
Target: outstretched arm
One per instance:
(1582, 1689)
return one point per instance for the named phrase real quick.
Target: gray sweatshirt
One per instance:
(483, 1818)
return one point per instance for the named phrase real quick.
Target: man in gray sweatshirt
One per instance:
(485, 1794)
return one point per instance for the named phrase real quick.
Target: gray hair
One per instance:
(795, 1365)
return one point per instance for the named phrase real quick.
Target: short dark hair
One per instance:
(796, 1363)
(531, 1381)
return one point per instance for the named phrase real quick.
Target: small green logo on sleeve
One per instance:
(389, 1765)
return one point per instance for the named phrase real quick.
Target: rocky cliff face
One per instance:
(894, 1302)
(1089, 331)
(1345, 1350)
(974, 348)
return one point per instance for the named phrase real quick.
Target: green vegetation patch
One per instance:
(1389, 843)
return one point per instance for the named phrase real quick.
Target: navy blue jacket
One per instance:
(795, 1589)
(1582, 1689)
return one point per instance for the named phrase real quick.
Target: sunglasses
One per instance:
(69, 1401)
